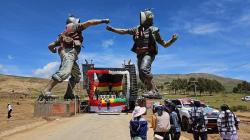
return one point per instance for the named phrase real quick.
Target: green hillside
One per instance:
(228, 83)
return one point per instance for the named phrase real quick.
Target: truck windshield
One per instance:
(187, 105)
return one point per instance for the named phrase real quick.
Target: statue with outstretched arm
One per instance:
(68, 45)
(146, 36)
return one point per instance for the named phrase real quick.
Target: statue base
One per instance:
(55, 108)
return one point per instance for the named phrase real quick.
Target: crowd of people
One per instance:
(166, 123)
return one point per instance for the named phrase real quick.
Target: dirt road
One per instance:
(83, 127)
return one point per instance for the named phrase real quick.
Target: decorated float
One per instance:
(110, 89)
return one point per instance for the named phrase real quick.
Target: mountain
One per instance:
(32, 86)
(228, 83)
(17, 85)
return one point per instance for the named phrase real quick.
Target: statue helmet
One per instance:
(146, 17)
(72, 19)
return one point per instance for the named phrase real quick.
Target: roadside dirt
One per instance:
(85, 127)
(22, 114)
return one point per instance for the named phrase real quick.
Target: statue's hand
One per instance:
(171, 41)
(109, 28)
(174, 37)
(106, 21)
(52, 48)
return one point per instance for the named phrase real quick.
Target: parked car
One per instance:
(185, 105)
(246, 98)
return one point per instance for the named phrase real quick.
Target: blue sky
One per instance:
(213, 35)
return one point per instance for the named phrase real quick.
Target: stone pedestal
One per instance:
(55, 108)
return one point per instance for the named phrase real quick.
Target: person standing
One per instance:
(146, 36)
(100, 104)
(227, 123)
(198, 120)
(175, 130)
(70, 43)
(138, 125)
(161, 123)
(107, 100)
(9, 107)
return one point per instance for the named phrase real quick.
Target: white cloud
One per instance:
(244, 19)
(47, 70)
(10, 70)
(107, 43)
(246, 66)
(243, 67)
(214, 7)
(204, 29)
(242, 77)
(10, 57)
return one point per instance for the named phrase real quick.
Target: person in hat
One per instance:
(146, 36)
(227, 123)
(68, 45)
(161, 123)
(138, 125)
(198, 121)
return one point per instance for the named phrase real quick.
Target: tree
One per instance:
(174, 85)
(167, 85)
(235, 90)
(243, 87)
(160, 87)
(184, 85)
(201, 86)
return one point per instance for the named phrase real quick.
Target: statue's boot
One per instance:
(46, 93)
(153, 91)
(152, 95)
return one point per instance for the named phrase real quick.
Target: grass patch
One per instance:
(241, 108)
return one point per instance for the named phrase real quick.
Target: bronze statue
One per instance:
(145, 37)
(69, 45)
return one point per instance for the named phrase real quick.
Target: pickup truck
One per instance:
(185, 105)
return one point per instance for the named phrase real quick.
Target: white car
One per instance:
(184, 106)
(246, 98)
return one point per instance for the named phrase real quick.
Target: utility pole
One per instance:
(194, 83)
